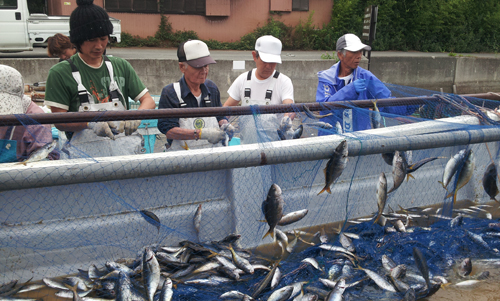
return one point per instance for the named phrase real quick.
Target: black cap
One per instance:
(88, 21)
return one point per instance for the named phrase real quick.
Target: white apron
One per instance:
(86, 143)
(261, 127)
(193, 124)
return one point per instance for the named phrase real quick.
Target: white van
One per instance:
(21, 31)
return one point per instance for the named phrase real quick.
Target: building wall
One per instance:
(243, 17)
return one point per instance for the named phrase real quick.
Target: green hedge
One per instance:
(421, 25)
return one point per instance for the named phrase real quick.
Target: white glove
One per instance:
(286, 124)
(103, 129)
(131, 126)
(213, 135)
(229, 129)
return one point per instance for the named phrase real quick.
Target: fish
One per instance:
(337, 291)
(467, 283)
(307, 297)
(399, 271)
(282, 294)
(335, 270)
(335, 166)
(464, 174)
(151, 218)
(282, 239)
(338, 249)
(421, 263)
(241, 262)
(409, 295)
(150, 273)
(230, 239)
(5, 287)
(399, 170)
(346, 242)
(166, 292)
(276, 278)
(197, 221)
(312, 115)
(388, 158)
(40, 153)
(338, 128)
(323, 238)
(399, 284)
(272, 207)
(292, 217)
(398, 224)
(263, 284)
(320, 125)
(235, 295)
(379, 280)
(185, 146)
(312, 262)
(490, 181)
(76, 297)
(298, 132)
(452, 166)
(465, 267)
(124, 288)
(375, 117)
(381, 195)
(210, 281)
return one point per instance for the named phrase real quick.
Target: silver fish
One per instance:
(197, 221)
(398, 224)
(337, 291)
(346, 242)
(338, 249)
(306, 297)
(276, 278)
(272, 208)
(263, 284)
(465, 267)
(40, 153)
(151, 218)
(421, 263)
(292, 217)
(210, 281)
(388, 263)
(452, 166)
(338, 127)
(467, 283)
(282, 294)
(381, 195)
(335, 166)
(281, 239)
(312, 262)
(209, 266)
(235, 295)
(379, 280)
(399, 284)
(399, 168)
(124, 288)
(399, 271)
(320, 125)
(150, 273)
(490, 181)
(464, 174)
(375, 116)
(241, 262)
(166, 292)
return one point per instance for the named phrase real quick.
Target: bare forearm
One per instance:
(178, 133)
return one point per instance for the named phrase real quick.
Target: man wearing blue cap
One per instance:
(345, 81)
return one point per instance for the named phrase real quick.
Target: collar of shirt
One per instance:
(185, 91)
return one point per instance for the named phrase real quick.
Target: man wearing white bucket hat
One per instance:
(263, 86)
(193, 90)
(18, 142)
(345, 80)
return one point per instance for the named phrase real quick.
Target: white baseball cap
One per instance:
(195, 53)
(11, 91)
(269, 49)
(351, 42)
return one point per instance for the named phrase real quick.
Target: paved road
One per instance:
(162, 53)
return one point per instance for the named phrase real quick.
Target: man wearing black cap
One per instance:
(193, 90)
(90, 81)
(347, 81)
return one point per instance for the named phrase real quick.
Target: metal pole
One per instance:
(55, 118)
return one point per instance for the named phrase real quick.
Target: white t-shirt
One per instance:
(283, 88)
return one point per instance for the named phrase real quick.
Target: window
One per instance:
(191, 7)
(8, 4)
(138, 6)
(300, 5)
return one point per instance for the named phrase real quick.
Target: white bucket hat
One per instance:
(11, 91)
(269, 49)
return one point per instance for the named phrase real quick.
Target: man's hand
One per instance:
(229, 129)
(285, 125)
(359, 85)
(213, 135)
(130, 126)
(103, 129)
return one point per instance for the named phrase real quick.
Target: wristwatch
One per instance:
(196, 137)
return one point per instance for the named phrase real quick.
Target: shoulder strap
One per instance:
(269, 91)
(177, 88)
(248, 91)
(83, 94)
(114, 90)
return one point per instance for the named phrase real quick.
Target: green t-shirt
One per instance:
(61, 89)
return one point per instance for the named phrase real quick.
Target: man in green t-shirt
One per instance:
(90, 81)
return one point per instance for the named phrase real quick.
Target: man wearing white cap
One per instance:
(263, 86)
(193, 90)
(19, 142)
(347, 81)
